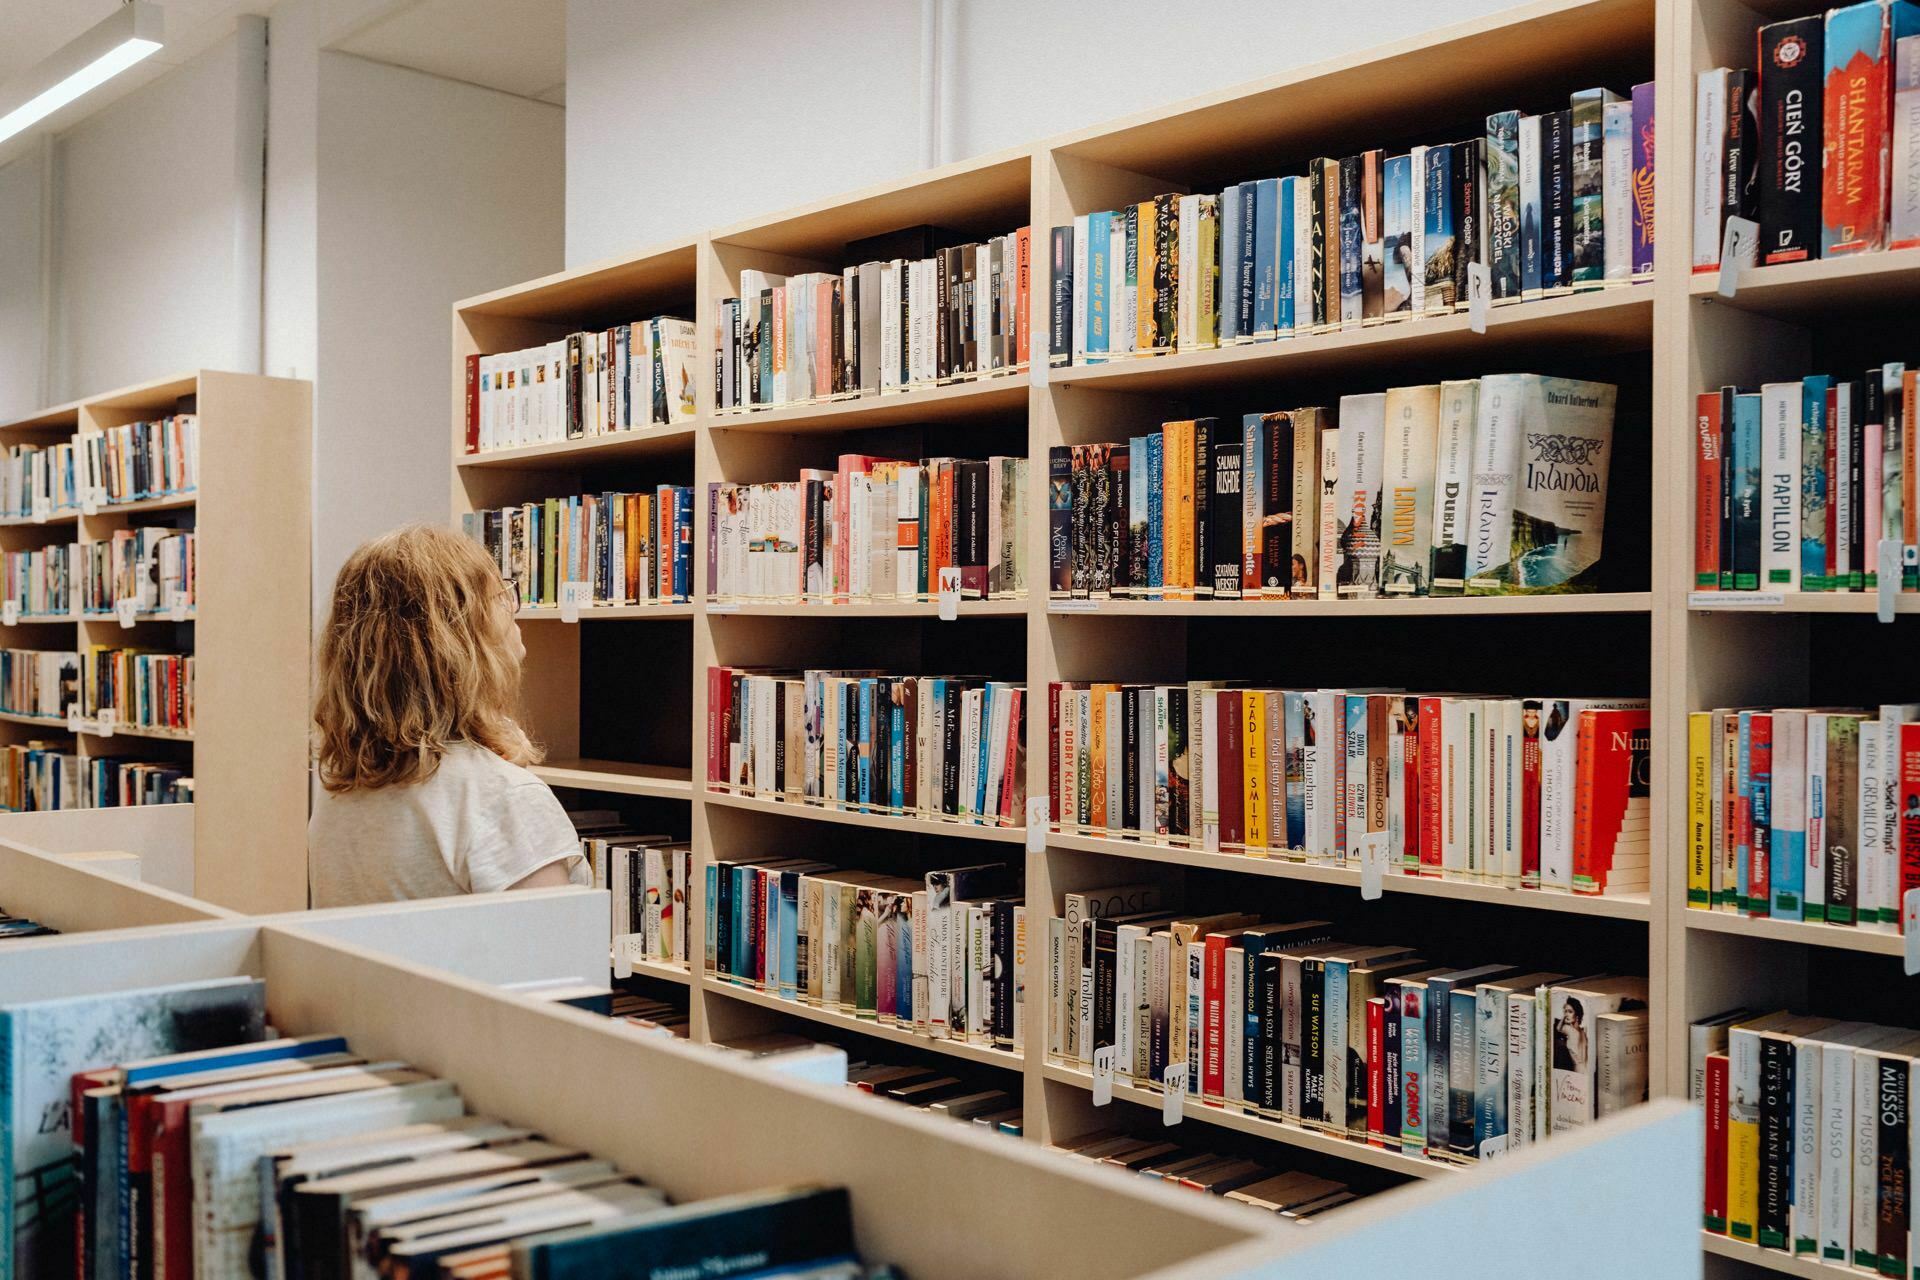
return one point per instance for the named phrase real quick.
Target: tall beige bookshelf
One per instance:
(249, 629)
(1660, 341)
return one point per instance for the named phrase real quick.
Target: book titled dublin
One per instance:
(1791, 65)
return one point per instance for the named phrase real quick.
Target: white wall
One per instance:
(429, 191)
(22, 323)
(681, 116)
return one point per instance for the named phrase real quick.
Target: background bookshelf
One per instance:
(1659, 340)
(248, 629)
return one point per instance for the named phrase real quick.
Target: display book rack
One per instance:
(1658, 341)
(248, 630)
(413, 981)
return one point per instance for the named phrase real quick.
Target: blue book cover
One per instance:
(1463, 1069)
(1351, 299)
(1743, 797)
(789, 935)
(1286, 291)
(1156, 561)
(1296, 765)
(768, 975)
(986, 742)
(1396, 198)
(903, 962)
(788, 1231)
(683, 542)
(1439, 231)
(1746, 492)
(1413, 1066)
(243, 1055)
(865, 725)
(1240, 295)
(1813, 482)
(712, 922)
(1230, 203)
(1787, 845)
(897, 757)
(1440, 1076)
(1338, 1064)
(738, 964)
(1266, 208)
(1099, 283)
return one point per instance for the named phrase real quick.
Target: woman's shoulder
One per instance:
(465, 764)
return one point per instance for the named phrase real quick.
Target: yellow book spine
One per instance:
(1097, 800)
(1143, 334)
(1253, 774)
(1184, 476)
(1743, 1178)
(1700, 810)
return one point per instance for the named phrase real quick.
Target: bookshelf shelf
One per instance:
(1829, 936)
(1615, 319)
(608, 612)
(878, 821)
(251, 620)
(564, 454)
(1803, 290)
(1274, 1130)
(864, 609)
(1002, 1058)
(1771, 1259)
(1429, 606)
(1614, 906)
(660, 971)
(619, 777)
(1798, 602)
(958, 402)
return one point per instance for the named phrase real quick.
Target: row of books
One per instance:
(1545, 203)
(12, 927)
(947, 746)
(197, 1145)
(942, 955)
(1486, 486)
(872, 529)
(132, 462)
(40, 776)
(889, 325)
(647, 877)
(620, 548)
(651, 1014)
(626, 378)
(1810, 1138)
(1367, 1042)
(153, 568)
(1799, 486)
(1533, 793)
(1804, 813)
(1294, 1196)
(134, 686)
(1820, 146)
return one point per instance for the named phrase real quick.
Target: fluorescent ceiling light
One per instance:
(132, 33)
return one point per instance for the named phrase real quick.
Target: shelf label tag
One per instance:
(1479, 294)
(1735, 599)
(1036, 824)
(103, 722)
(1103, 1075)
(73, 605)
(1738, 246)
(10, 613)
(1888, 569)
(178, 610)
(42, 508)
(949, 594)
(75, 721)
(1373, 865)
(1073, 606)
(570, 593)
(723, 606)
(127, 609)
(90, 502)
(1173, 1102)
(622, 959)
(1910, 925)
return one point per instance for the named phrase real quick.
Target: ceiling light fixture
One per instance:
(132, 33)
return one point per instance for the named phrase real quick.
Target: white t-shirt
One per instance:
(478, 825)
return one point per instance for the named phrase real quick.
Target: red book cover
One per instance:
(1229, 765)
(1430, 788)
(1706, 497)
(473, 404)
(1410, 783)
(943, 521)
(1759, 813)
(1213, 1022)
(1909, 814)
(1853, 196)
(719, 715)
(1376, 1069)
(1015, 756)
(1530, 792)
(1611, 794)
(1714, 1207)
(1053, 751)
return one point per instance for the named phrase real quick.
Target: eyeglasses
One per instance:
(513, 593)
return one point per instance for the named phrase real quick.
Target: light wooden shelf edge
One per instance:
(617, 776)
(1410, 607)
(880, 821)
(1806, 933)
(1004, 1059)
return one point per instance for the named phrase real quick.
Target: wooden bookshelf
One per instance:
(249, 632)
(80, 893)
(1631, 638)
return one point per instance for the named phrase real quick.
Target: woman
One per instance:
(426, 789)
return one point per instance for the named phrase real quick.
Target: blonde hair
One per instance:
(410, 663)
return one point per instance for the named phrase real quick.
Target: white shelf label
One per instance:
(1738, 246)
(10, 613)
(1036, 824)
(949, 594)
(89, 503)
(1072, 606)
(1888, 578)
(178, 610)
(42, 508)
(1910, 925)
(1373, 865)
(1479, 294)
(103, 722)
(1103, 1075)
(126, 608)
(75, 721)
(1173, 1102)
(622, 958)
(1735, 599)
(571, 594)
(723, 606)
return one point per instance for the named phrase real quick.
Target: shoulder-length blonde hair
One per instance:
(411, 663)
